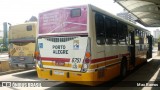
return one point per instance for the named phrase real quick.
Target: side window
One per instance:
(29, 28)
(120, 33)
(129, 39)
(123, 34)
(108, 31)
(125, 28)
(141, 41)
(100, 33)
(114, 31)
(137, 36)
(145, 38)
(148, 35)
(137, 33)
(111, 31)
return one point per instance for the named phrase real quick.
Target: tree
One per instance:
(1, 40)
(158, 39)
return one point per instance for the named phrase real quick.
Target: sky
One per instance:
(18, 11)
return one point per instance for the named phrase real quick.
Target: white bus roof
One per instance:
(116, 17)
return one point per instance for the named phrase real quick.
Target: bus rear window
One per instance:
(76, 12)
(29, 28)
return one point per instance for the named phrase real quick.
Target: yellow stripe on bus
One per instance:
(48, 63)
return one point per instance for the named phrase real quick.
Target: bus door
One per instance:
(132, 48)
(150, 46)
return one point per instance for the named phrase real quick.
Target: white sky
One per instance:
(18, 11)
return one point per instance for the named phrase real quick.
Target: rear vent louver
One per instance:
(60, 39)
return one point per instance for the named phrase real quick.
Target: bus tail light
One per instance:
(38, 60)
(36, 55)
(88, 54)
(87, 57)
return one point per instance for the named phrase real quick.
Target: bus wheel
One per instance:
(124, 67)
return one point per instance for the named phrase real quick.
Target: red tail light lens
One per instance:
(87, 57)
(36, 55)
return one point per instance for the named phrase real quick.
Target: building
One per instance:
(156, 33)
(32, 19)
(127, 16)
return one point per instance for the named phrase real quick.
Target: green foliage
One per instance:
(3, 49)
(158, 39)
(1, 40)
(136, 38)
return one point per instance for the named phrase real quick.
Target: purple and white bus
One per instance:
(87, 45)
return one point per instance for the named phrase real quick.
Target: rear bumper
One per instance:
(27, 63)
(23, 66)
(67, 76)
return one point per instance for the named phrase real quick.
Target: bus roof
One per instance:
(25, 23)
(116, 17)
(48, 28)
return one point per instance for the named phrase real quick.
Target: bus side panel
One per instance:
(98, 52)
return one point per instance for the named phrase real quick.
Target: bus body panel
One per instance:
(66, 53)
(22, 56)
(63, 20)
(23, 31)
(106, 60)
(22, 40)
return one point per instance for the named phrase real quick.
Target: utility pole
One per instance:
(1, 43)
(5, 35)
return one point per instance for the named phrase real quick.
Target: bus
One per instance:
(22, 41)
(87, 45)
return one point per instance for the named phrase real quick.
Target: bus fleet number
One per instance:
(76, 60)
